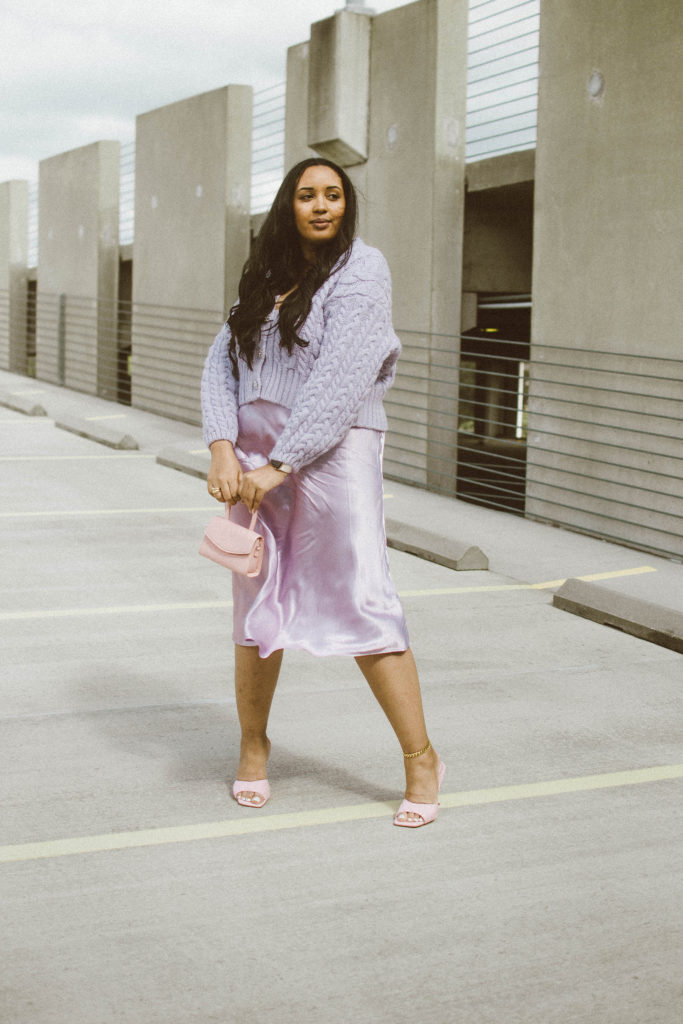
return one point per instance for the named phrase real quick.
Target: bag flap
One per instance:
(229, 537)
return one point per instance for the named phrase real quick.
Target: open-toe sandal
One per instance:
(254, 793)
(425, 812)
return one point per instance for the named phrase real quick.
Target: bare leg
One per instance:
(255, 682)
(394, 681)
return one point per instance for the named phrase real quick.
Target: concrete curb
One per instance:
(194, 464)
(111, 436)
(454, 554)
(26, 405)
(460, 555)
(644, 619)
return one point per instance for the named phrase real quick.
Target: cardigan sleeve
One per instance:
(358, 348)
(219, 392)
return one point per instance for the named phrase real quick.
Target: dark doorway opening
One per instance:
(124, 346)
(492, 418)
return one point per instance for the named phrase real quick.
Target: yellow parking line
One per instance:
(67, 458)
(444, 591)
(22, 420)
(121, 609)
(31, 391)
(127, 609)
(447, 591)
(109, 416)
(613, 575)
(106, 511)
(250, 822)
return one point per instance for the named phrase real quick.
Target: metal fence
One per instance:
(32, 256)
(590, 440)
(502, 76)
(584, 439)
(127, 194)
(267, 146)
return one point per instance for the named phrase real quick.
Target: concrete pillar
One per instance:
(413, 184)
(469, 310)
(296, 106)
(604, 440)
(13, 274)
(192, 189)
(78, 268)
(339, 87)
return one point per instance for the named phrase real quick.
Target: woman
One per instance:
(292, 403)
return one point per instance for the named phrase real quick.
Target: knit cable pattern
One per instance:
(337, 382)
(219, 392)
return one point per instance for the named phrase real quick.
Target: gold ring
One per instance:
(214, 490)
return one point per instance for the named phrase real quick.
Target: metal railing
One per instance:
(120, 350)
(502, 76)
(587, 439)
(127, 194)
(268, 146)
(32, 255)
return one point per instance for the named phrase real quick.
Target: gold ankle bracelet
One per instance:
(419, 753)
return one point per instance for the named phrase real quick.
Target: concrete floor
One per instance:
(118, 724)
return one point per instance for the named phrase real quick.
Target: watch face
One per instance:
(275, 463)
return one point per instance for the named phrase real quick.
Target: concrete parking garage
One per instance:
(134, 889)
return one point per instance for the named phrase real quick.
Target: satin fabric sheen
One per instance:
(325, 585)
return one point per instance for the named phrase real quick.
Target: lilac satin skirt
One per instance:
(325, 585)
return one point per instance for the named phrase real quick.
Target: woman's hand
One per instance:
(225, 474)
(256, 484)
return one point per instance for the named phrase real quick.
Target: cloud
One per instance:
(81, 70)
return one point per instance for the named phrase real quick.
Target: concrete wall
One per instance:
(606, 277)
(192, 189)
(13, 274)
(497, 246)
(78, 257)
(412, 186)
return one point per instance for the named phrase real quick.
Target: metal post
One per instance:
(61, 340)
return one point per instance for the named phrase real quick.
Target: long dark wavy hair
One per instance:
(277, 264)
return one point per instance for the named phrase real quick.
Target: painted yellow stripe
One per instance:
(105, 511)
(613, 575)
(121, 609)
(127, 609)
(557, 787)
(447, 591)
(109, 416)
(444, 591)
(257, 822)
(22, 420)
(31, 391)
(199, 451)
(71, 458)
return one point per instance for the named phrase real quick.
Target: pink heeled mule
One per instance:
(259, 786)
(426, 812)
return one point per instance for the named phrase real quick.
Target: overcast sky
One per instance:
(76, 71)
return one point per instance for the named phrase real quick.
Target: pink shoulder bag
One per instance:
(234, 546)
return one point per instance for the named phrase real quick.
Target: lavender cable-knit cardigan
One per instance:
(338, 381)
